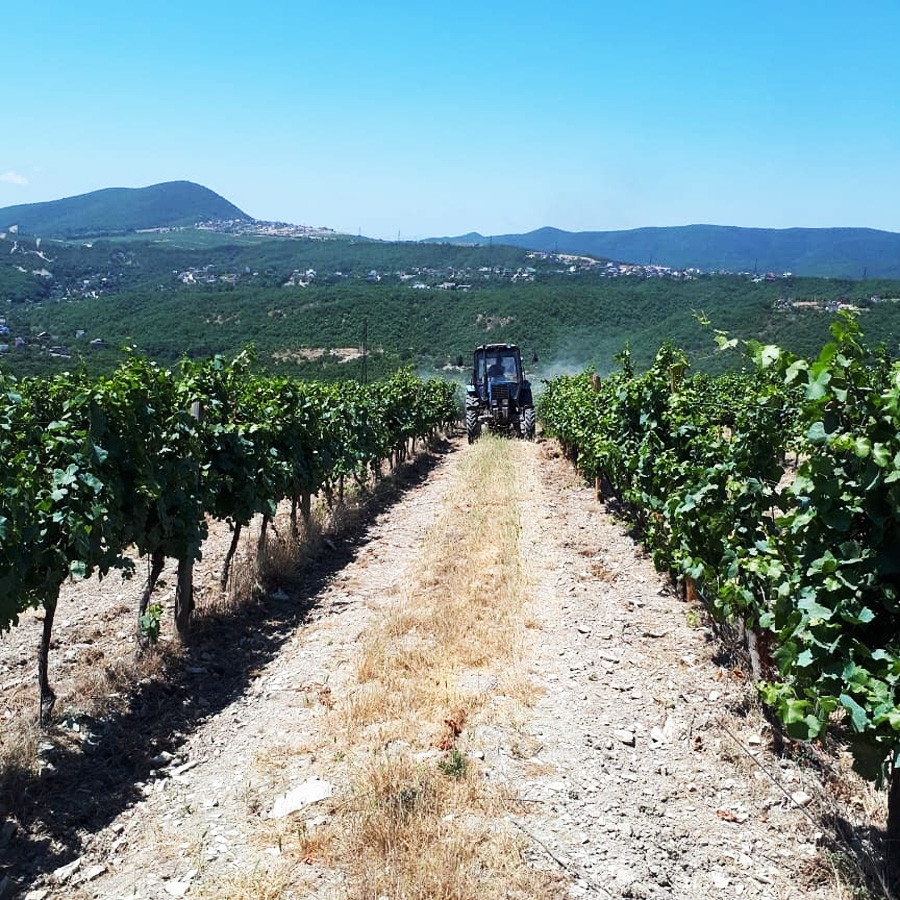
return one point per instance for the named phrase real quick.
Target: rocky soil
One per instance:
(644, 770)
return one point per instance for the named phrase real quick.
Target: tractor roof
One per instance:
(489, 347)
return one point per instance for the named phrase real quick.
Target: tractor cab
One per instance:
(495, 365)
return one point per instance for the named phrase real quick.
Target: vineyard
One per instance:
(802, 557)
(96, 470)
(488, 654)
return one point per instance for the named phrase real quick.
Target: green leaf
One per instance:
(818, 385)
(817, 433)
(769, 354)
(858, 715)
(794, 369)
(814, 609)
(881, 454)
(825, 563)
(794, 711)
(798, 722)
(724, 343)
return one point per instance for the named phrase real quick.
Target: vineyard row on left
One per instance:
(92, 469)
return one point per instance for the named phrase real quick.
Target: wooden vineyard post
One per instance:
(596, 384)
(690, 589)
(184, 586)
(184, 597)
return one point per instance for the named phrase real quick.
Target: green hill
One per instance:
(120, 210)
(823, 252)
(193, 292)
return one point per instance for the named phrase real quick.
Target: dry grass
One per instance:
(413, 832)
(258, 884)
(283, 562)
(464, 610)
(446, 655)
(18, 760)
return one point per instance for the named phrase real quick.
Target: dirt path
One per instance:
(650, 788)
(630, 773)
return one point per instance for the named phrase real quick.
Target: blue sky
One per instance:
(436, 119)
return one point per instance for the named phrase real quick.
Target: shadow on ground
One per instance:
(89, 785)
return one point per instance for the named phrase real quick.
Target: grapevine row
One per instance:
(91, 468)
(807, 560)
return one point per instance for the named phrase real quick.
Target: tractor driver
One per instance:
(495, 369)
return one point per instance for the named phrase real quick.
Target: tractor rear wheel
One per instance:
(473, 426)
(529, 423)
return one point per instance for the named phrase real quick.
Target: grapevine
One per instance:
(810, 569)
(90, 468)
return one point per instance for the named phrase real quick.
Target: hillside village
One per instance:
(225, 264)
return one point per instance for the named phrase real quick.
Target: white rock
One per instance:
(65, 872)
(312, 790)
(800, 798)
(91, 873)
(38, 894)
(625, 737)
(186, 767)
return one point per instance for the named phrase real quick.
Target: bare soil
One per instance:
(641, 767)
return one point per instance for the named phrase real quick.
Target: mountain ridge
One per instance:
(117, 210)
(827, 252)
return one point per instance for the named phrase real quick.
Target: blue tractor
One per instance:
(499, 397)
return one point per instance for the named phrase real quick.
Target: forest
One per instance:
(192, 293)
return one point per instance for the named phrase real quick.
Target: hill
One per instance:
(824, 252)
(120, 210)
(198, 292)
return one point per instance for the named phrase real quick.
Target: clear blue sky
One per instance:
(440, 118)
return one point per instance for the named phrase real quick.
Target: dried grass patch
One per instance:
(447, 654)
(463, 609)
(257, 884)
(413, 831)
